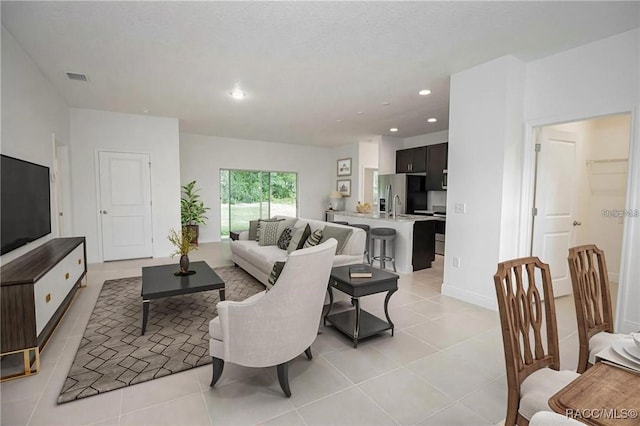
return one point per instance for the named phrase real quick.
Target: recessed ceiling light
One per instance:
(359, 112)
(424, 92)
(432, 120)
(386, 103)
(238, 94)
(146, 111)
(339, 120)
(393, 129)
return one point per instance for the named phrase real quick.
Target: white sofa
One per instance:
(258, 260)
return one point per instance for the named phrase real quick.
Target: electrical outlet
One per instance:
(456, 262)
(461, 208)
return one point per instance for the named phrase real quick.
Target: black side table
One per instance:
(358, 323)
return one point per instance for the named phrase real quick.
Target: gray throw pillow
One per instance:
(340, 234)
(313, 239)
(268, 233)
(265, 220)
(275, 273)
(253, 229)
(299, 237)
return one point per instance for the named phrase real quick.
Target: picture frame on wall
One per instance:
(343, 186)
(344, 167)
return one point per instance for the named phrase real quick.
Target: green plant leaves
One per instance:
(192, 209)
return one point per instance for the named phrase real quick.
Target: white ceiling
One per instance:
(304, 65)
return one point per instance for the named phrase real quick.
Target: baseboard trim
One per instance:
(469, 297)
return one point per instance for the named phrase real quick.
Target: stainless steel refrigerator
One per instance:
(409, 188)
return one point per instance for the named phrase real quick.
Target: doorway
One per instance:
(580, 192)
(125, 205)
(62, 187)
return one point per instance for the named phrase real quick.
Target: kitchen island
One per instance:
(415, 236)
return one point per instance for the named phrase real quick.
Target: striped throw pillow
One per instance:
(314, 239)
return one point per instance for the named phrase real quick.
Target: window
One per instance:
(248, 195)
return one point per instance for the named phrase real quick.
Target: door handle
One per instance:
(576, 223)
(103, 212)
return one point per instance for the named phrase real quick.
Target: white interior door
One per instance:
(555, 189)
(125, 205)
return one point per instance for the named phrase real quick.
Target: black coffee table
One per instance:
(159, 281)
(358, 323)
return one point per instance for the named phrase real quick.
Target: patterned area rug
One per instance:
(112, 354)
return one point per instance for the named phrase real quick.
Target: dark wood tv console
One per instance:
(35, 291)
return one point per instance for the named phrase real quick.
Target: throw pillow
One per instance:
(284, 224)
(340, 234)
(299, 237)
(253, 229)
(314, 239)
(275, 273)
(268, 233)
(285, 239)
(264, 220)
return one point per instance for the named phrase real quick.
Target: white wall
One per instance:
(202, 157)
(387, 154)
(597, 79)
(367, 159)
(426, 139)
(483, 144)
(32, 111)
(93, 131)
(348, 151)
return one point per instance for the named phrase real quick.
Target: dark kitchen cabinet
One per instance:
(436, 167)
(411, 160)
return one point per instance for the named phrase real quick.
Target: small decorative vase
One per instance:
(184, 264)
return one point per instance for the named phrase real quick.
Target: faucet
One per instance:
(396, 201)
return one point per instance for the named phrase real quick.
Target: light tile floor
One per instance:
(444, 366)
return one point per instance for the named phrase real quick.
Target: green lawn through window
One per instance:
(244, 212)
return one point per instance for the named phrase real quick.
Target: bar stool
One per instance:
(340, 222)
(367, 229)
(384, 235)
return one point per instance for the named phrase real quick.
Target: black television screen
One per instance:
(25, 207)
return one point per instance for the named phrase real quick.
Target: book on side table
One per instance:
(360, 271)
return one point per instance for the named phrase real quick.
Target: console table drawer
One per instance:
(53, 287)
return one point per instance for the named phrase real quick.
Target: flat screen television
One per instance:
(25, 209)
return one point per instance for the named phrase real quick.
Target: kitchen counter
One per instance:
(382, 216)
(415, 237)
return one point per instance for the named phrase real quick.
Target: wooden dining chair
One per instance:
(532, 361)
(592, 297)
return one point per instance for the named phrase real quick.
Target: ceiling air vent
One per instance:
(77, 76)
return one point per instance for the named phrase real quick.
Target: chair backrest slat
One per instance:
(592, 296)
(523, 313)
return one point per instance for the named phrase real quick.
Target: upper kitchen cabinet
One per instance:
(411, 160)
(436, 167)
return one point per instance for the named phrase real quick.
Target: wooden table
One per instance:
(602, 395)
(358, 323)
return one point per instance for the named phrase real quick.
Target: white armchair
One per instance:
(272, 328)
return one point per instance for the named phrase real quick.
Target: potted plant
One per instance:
(192, 209)
(182, 244)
